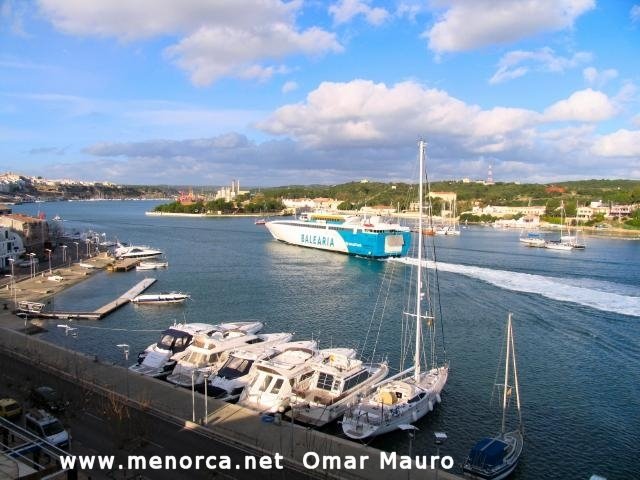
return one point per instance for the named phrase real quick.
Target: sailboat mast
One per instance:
(506, 375)
(418, 350)
(515, 380)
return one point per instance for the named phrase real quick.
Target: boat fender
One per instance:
(267, 418)
(430, 405)
(438, 399)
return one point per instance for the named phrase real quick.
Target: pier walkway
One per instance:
(103, 311)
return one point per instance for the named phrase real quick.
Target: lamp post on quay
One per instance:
(439, 439)
(32, 264)
(125, 350)
(13, 283)
(64, 254)
(48, 250)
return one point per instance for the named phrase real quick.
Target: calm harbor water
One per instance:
(576, 322)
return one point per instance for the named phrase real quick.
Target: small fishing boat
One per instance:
(150, 265)
(260, 221)
(160, 298)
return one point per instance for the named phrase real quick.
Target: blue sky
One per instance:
(274, 93)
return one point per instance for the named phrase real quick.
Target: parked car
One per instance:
(47, 398)
(10, 409)
(46, 426)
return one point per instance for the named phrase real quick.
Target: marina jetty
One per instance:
(141, 411)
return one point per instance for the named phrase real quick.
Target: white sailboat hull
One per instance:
(376, 418)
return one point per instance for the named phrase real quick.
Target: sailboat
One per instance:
(406, 397)
(494, 458)
(561, 244)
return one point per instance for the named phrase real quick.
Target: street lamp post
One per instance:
(48, 250)
(77, 254)
(193, 396)
(74, 334)
(125, 350)
(88, 242)
(439, 439)
(13, 283)
(206, 396)
(410, 429)
(64, 254)
(32, 264)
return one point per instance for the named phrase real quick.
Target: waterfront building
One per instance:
(33, 231)
(11, 246)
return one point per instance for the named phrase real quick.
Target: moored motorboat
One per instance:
(236, 373)
(151, 265)
(160, 298)
(159, 359)
(134, 251)
(273, 380)
(207, 355)
(337, 382)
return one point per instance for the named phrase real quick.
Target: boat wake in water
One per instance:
(591, 293)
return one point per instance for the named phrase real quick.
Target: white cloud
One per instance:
(582, 106)
(345, 10)
(593, 77)
(635, 13)
(214, 52)
(623, 143)
(216, 38)
(362, 113)
(471, 24)
(289, 86)
(518, 63)
(636, 121)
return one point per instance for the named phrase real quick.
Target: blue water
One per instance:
(576, 322)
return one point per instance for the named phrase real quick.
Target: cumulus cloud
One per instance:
(623, 143)
(635, 13)
(599, 78)
(582, 106)
(471, 24)
(363, 113)
(289, 86)
(345, 10)
(216, 38)
(214, 52)
(518, 63)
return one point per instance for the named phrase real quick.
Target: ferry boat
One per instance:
(362, 236)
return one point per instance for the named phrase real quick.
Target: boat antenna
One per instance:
(506, 376)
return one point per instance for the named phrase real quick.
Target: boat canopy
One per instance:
(488, 453)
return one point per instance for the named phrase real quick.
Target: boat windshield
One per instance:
(197, 359)
(235, 367)
(173, 339)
